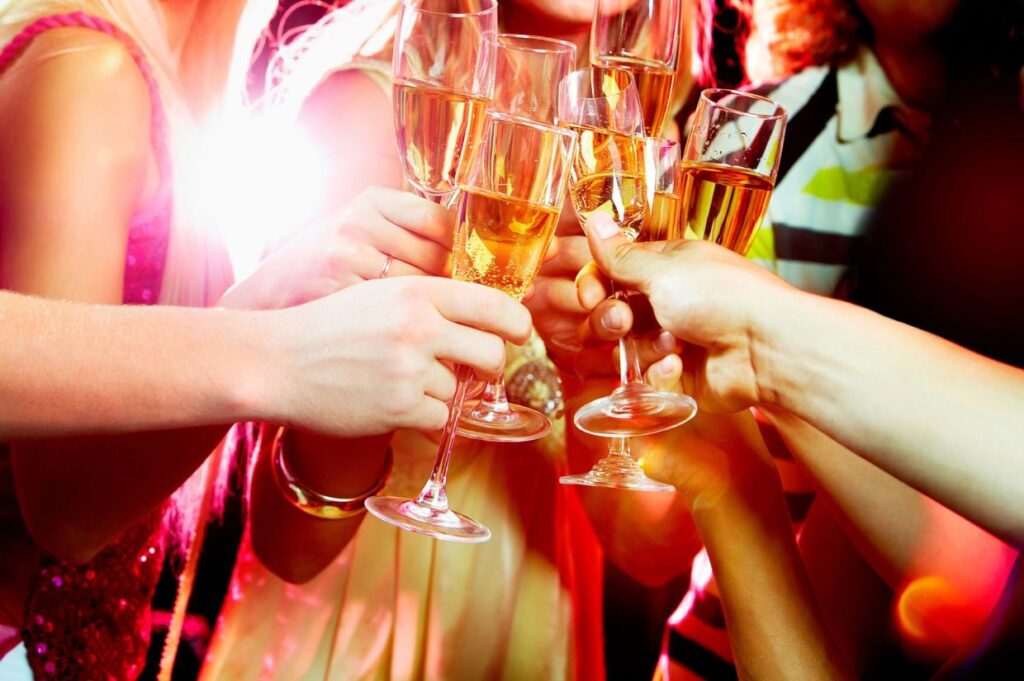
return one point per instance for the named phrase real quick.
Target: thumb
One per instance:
(628, 264)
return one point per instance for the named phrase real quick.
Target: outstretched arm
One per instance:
(909, 539)
(71, 368)
(775, 628)
(936, 416)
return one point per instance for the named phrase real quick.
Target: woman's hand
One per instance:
(349, 247)
(557, 314)
(376, 357)
(584, 346)
(704, 295)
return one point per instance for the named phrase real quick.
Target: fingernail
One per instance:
(663, 368)
(612, 319)
(665, 342)
(603, 226)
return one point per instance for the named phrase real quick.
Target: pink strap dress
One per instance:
(92, 620)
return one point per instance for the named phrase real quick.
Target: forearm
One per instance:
(905, 535)
(73, 368)
(78, 493)
(775, 628)
(940, 418)
(293, 544)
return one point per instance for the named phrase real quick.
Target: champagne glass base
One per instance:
(618, 472)
(518, 424)
(412, 516)
(633, 410)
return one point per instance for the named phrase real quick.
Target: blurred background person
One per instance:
(960, 64)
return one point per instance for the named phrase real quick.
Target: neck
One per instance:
(178, 17)
(206, 50)
(916, 72)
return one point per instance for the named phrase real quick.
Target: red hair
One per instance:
(777, 38)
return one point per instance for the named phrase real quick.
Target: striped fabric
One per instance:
(847, 137)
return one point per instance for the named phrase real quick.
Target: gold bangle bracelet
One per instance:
(312, 502)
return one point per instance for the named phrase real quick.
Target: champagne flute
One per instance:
(609, 175)
(661, 221)
(729, 166)
(527, 72)
(641, 36)
(506, 216)
(443, 72)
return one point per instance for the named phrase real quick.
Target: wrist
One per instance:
(752, 501)
(258, 388)
(328, 499)
(775, 328)
(336, 467)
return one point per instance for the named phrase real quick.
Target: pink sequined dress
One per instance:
(92, 620)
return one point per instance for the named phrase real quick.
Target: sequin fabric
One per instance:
(91, 621)
(531, 379)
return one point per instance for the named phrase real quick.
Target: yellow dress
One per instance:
(397, 606)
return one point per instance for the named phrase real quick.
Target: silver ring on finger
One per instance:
(386, 266)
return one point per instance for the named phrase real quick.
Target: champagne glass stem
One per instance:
(434, 494)
(629, 357)
(494, 398)
(620, 447)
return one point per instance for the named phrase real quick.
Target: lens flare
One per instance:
(256, 180)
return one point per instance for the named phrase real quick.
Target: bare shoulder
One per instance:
(350, 115)
(77, 75)
(355, 97)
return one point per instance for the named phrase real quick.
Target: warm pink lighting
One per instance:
(929, 614)
(256, 181)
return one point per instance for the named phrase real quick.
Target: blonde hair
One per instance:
(197, 270)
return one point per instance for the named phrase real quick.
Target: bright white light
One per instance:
(255, 181)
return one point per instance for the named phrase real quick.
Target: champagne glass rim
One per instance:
(487, 7)
(595, 69)
(530, 122)
(519, 42)
(590, 70)
(706, 97)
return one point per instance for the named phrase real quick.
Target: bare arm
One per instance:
(906, 536)
(291, 543)
(940, 418)
(775, 628)
(70, 368)
(404, 339)
(294, 545)
(943, 419)
(86, 165)
(727, 481)
(361, 138)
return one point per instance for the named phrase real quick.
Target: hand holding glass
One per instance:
(610, 175)
(527, 72)
(506, 216)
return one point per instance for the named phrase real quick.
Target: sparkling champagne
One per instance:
(437, 129)
(723, 204)
(500, 241)
(608, 176)
(662, 221)
(653, 83)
